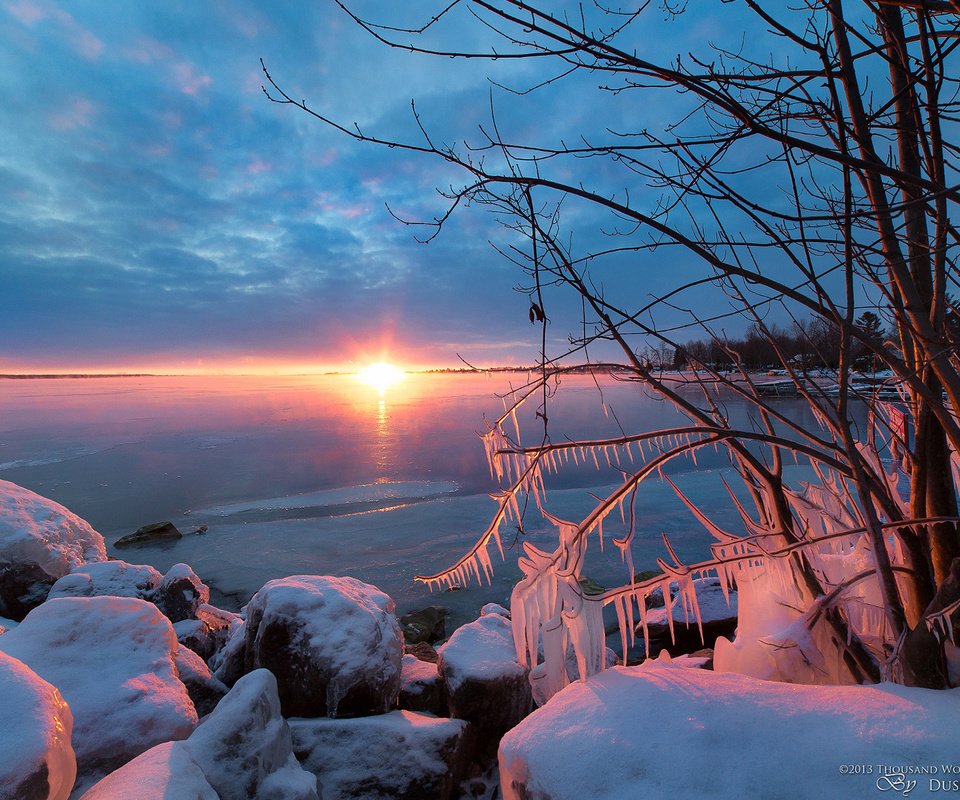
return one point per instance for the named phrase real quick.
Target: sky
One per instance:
(161, 214)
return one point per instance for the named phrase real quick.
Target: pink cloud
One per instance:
(77, 113)
(257, 167)
(191, 81)
(147, 50)
(31, 12)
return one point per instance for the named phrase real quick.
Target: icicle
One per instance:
(642, 606)
(668, 605)
(622, 623)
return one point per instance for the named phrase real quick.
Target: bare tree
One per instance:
(853, 123)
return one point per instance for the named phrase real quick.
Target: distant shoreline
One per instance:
(434, 371)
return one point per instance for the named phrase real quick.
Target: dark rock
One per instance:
(333, 644)
(423, 651)
(149, 533)
(717, 618)
(180, 593)
(209, 632)
(421, 688)
(426, 625)
(485, 685)
(205, 690)
(395, 756)
(22, 587)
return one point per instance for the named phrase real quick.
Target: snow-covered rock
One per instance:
(244, 746)
(242, 750)
(208, 633)
(40, 541)
(36, 757)
(717, 618)
(494, 608)
(397, 755)
(112, 659)
(205, 690)
(7, 625)
(420, 687)
(659, 730)
(180, 593)
(485, 684)
(333, 644)
(164, 772)
(108, 578)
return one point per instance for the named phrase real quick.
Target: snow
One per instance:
(35, 728)
(242, 750)
(416, 675)
(245, 740)
(399, 754)
(660, 730)
(36, 530)
(481, 650)
(112, 659)
(164, 772)
(113, 578)
(343, 640)
(7, 625)
(494, 608)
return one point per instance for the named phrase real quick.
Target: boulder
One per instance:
(164, 772)
(155, 531)
(244, 746)
(113, 660)
(228, 662)
(180, 593)
(721, 735)
(420, 687)
(423, 651)
(485, 684)
(427, 625)
(333, 644)
(40, 541)
(717, 617)
(205, 691)
(108, 578)
(397, 756)
(38, 762)
(494, 608)
(242, 750)
(208, 633)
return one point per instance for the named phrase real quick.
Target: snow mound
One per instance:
(420, 687)
(164, 772)
(746, 737)
(334, 644)
(36, 757)
(107, 578)
(485, 684)
(112, 659)
(397, 755)
(244, 746)
(40, 541)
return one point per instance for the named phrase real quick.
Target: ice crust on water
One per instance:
(366, 493)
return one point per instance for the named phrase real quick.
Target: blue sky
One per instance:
(161, 213)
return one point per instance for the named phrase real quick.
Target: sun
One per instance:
(381, 375)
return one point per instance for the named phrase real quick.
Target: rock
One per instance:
(494, 608)
(718, 618)
(180, 593)
(242, 750)
(112, 659)
(395, 756)
(244, 746)
(485, 685)
(164, 772)
(108, 578)
(150, 533)
(40, 541)
(720, 735)
(205, 691)
(38, 762)
(423, 651)
(228, 662)
(333, 644)
(421, 688)
(426, 625)
(209, 632)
